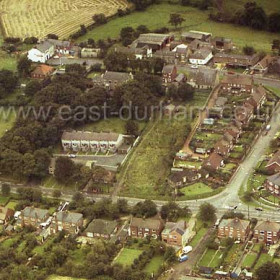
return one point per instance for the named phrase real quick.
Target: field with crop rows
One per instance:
(24, 18)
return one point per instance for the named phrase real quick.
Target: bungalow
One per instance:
(42, 71)
(31, 216)
(90, 52)
(267, 232)
(237, 84)
(154, 41)
(234, 228)
(274, 163)
(42, 52)
(223, 147)
(169, 73)
(180, 178)
(193, 35)
(175, 234)
(91, 141)
(272, 184)
(222, 43)
(69, 221)
(201, 56)
(236, 60)
(213, 162)
(142, 228)
(262, 66)
(5, 215)
(110, 80)
(203, 78)
(99, 228)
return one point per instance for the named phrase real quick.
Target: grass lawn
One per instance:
(249, 260)
(228, 167)
(9, 242)
(187, 164)
(194, 20)
(127, 256)
(11, 204)
(233, 256)
(50, 182)
(207, 258)
(154, 265)
(110, 125)
(276, 91)
(196, 189)
(40, 249)
(4, 200)
(198, 236)
(7, 119)
(262, 260)
(7, 61)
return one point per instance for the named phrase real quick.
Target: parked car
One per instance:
(187, 249)
(183, 258)
(259, 209)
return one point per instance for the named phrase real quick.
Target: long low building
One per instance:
(91, 141)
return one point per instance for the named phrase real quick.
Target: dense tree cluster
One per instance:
(141, 5)
(8, 82)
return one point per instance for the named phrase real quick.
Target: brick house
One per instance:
(262, 66)
(244, 113)
(258, 97)
(267, 232)
(274, 163)
(99, 228)
(69, 221)
(237, 84)
(213, 162)
(234, 228)
(272, 184)
(203, 78)
(175, 233)
(6, 214)
(234, 131)
(181, 178)
(236, 60)
(222, 43)
(169, 73)
(223, 147)
(201, 56)
(31, 216)
(141, 228)
(42, 71)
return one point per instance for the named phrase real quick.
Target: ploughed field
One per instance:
(25, 18)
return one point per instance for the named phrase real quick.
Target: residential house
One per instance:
(213, 162)
(223, 147)
(222, 43)
(68, 221)
(180, 178)
(258, 97)
(244, 113)
(91, 141)
(90, 52)
(272, 184)
(6, 214)
(180, 79)
(203, 78)
(234, 228)
(31, 216)
(221, 101)
(201, 56)
(99, 228)
(236, 60)
(42, 52)
(154, 41)
(274, 163)
(142, 228)
(175, 234)
(262, 66)
(235, 84)
(196, 35)
(168, 56)
(42, 71)
(198, 44)
(181, 53)
(139, 53)
(110, 80)
(61, 47)
(267, 232)
(234, 131)
(169, 73)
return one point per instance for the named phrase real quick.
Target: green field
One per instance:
(211, 258)
(196, 189)
(249, 260)
(154, 265)
(127, 256)
(194, 20)
(7, 119)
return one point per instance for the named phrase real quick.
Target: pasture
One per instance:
(27, 18)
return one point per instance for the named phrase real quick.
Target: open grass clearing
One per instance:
(249, 260)
(154, 265)
(196, 189)
(127, 256)
(7, 119)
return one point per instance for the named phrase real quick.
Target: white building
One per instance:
(41, 52)
(91, 141)
(201, 56)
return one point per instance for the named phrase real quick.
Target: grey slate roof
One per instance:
(234, 223)
(101, 226)
(44, 46)
(267, 226)
(145, 223)
(68, 217)
(274, 179)
(32, 212)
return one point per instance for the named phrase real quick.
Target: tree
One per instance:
(268, 271)
(99, 19)
(52, 36)
(75, 68)
(132, 128)
(8, 82)
(63, 169)
(185, 92)
(170, 254)
(6, 189)
(24, 66)
(127, 35)
(56, 193)
(172, 211)
(274, 22)
(176, 19)
(145, 209)
(32, 87)
(207, 212)
(248, 196)
(30, 40)
(248, 50)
